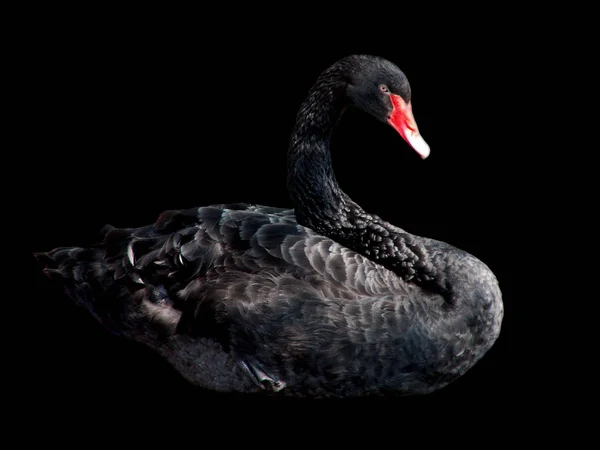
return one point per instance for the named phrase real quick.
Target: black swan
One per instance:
(323, 300)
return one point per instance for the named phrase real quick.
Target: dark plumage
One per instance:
(322, 300)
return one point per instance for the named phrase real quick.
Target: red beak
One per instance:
(403, 121)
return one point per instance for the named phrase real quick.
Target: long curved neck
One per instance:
(321, 205)
(311, 181)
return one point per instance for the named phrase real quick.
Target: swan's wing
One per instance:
(246, 276)
(181, 272)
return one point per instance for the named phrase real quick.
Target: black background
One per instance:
(128, 119)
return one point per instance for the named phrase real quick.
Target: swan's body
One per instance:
(322, 300)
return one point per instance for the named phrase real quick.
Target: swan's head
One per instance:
(380, 88)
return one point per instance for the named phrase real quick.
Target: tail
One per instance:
(74, 264)
(87, 278)
(121, 280)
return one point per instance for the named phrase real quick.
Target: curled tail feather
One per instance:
(85, 277)
(115, 279)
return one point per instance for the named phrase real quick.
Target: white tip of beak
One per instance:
(419, 144)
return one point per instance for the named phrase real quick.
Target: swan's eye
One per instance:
(383, 88)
